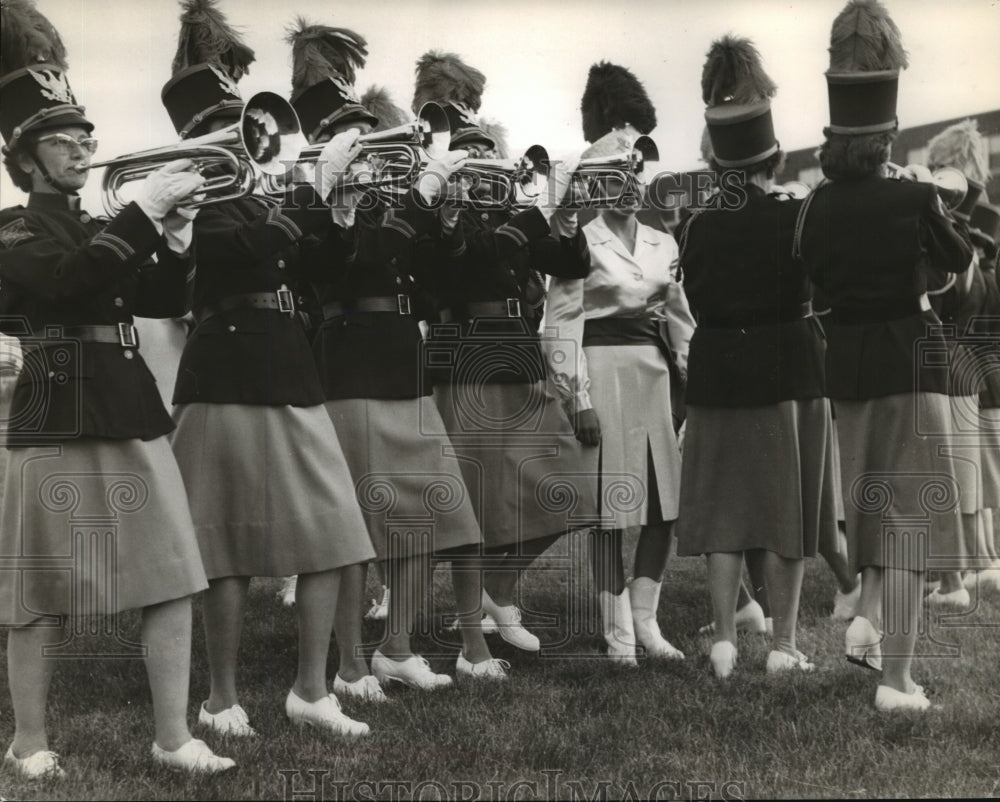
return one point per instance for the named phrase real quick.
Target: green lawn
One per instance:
(565, 725)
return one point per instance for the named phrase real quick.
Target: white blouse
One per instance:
(620, 284)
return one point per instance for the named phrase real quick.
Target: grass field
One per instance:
(565, 725)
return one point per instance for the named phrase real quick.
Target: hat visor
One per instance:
(70, 118)
(472, 134)
(349, 113)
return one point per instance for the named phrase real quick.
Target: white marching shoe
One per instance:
(863, 644)
(616, 624)
(889, 700)
(644, 596)
(723, 658)
(845, 605)
(508, 624)
(749, 618)
(957, 598)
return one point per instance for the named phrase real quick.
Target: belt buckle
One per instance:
(513, 307)
(127, 335)
(286, 302)
(403, 302)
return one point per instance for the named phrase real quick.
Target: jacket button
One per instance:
(399, 280)
(85, 218)
(232, 328)
(512, 272)
(394, 260)
(485, 215)
(119, 302)
(281, 264)
(128, 353)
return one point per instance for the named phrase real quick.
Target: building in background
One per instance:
(910, 148)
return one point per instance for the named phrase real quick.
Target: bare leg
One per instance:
(467, 581)
(29, 677)
(500, 580)
(784, 586)
(950, 581)
(903, 592)
(757, 571)
(316, 602)
(652, 550)
(347, 623)
(166, 633)
(405, 592)
(870, 604)
(724, 570)
(223, 612)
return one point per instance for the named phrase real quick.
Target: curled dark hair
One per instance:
(11, 158)
(770, 166)
(844, 157)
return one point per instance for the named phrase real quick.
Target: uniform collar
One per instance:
(645, 238)
(54, 201)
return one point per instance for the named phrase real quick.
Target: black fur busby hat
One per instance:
(866, 55)
(325, 62)
(614, 99)
(211, 58)
(379, 102)
(738, 94)
(445, 79)
(34, 92)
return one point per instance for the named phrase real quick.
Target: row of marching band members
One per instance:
(290, 457)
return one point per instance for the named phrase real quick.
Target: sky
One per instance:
(536, 55)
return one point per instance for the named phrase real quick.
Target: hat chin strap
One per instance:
(48, 179)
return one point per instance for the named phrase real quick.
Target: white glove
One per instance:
(451, 209)
(344, 208)
(336, 156)
(178, 228)
(563, 222)
(162, 190)
(432, 183)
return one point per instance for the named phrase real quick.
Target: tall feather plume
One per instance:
(445, 78)
(319, 51)
(865, 39)
(496, 131)
(960, 146)
(207, 38)
(378, 101)
(612, 98)
(733, 73)
(27, 37)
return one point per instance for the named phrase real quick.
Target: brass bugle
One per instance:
(608, 178)
(393, 158)
(951, 183)
(509, 184)
(266, 140)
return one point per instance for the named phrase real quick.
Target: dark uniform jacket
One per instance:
(870, 245)
(495, 256)
(756, 342)
(245, 355)
(387, 254)
(61, 267)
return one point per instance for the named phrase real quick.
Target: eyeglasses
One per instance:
(66, 144)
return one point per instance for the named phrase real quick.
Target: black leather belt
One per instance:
(400, 304)
(510, 307)
(282, 300)
(878, 313)
(769, 318)
(123, 334)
